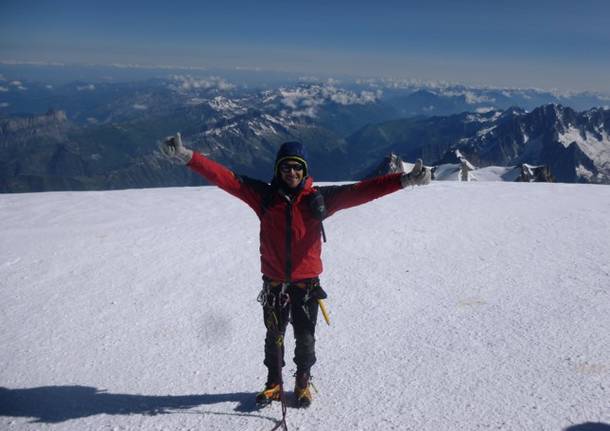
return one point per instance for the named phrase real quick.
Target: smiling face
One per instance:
(291, 173)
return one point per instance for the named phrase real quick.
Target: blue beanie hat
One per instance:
(291, 151)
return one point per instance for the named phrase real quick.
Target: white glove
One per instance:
(173, 149)
(419, 176)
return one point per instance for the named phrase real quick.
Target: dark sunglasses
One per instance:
(287, 167)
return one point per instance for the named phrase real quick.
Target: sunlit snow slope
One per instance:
(455, 306)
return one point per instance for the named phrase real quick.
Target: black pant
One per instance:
(299, 306)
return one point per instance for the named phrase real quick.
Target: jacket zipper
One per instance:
(289, 241)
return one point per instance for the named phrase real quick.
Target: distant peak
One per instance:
(513, 110)
(57, 115)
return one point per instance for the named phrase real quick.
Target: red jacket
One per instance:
(290, 240)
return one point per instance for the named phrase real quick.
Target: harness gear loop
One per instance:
(312, 288)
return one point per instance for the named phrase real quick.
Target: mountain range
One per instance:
(83, 135)
(575, 146)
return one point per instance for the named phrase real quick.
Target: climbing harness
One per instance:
(275, 298)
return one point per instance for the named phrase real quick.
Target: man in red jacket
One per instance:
(291, 211)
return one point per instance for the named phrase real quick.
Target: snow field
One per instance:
(453, 306)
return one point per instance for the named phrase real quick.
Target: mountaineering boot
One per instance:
(270, 393)
(302, 390)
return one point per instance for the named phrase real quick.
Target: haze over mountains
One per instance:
(104, 135)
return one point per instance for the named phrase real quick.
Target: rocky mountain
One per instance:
(248, 139)
(535, 174)
(34, 152)
(427, 138)
(58, 154)
(391, 164)
(53, 122)
(575, 146)
(49, 152)
(455, 167)
(105, 134)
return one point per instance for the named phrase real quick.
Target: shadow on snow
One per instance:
(53, 404)
(589, 426)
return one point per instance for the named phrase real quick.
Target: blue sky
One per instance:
(546, 44)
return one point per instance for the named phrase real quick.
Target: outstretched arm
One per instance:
(341, 197)
(214, 172)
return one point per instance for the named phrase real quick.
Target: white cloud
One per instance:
(470, 92)
(374, 83)
(4, 105)
(155, 66)
(89, 87)
(196, 101)
(188, 83)
(348, 98)
(470, 97)
(49, 87)
(403, 84)
(309, 112)
(304, 101)
(310, 79)
(473, 99)
(249, 68)
(18, 84)
(139, 107)
(343, 98)
(484, 109)
(31, 63)
(3, 89)
(295, 98)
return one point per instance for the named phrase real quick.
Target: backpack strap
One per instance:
(318, 208)
(263, 189)
(266, 199)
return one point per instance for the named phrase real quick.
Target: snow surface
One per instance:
(596, 148)
(455, 306)
(496, 173)
(481, 133)
(453, 172)
(223, 104)
(481, 118)
(448, 172)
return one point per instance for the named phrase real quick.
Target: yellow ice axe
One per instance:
(324, 312)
